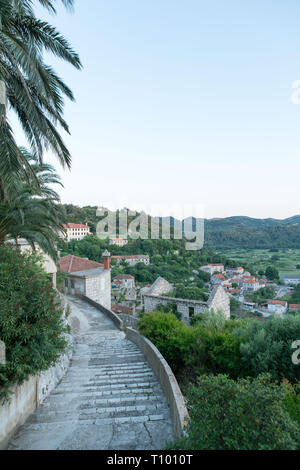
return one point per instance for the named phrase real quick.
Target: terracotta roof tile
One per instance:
(73, 264)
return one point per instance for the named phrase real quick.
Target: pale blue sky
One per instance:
(184, 102)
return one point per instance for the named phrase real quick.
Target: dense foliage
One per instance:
(31, 324)
(247, 414)
(238, 348)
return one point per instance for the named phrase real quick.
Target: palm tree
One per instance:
(30, 208)
(29, 86)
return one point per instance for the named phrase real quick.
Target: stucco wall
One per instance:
(13, 414)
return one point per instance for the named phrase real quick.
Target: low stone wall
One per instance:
(166, 378)
(25, 398)
(22, 403)
(117, 321)
(128, 320)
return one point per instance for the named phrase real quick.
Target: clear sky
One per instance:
(184, 102)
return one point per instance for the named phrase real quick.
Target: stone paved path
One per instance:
(109, 398)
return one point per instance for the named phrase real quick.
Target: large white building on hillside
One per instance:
(76, 231)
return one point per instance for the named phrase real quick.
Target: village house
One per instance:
(251, 285)
(88, 278)
(234, 271)
(132, 260)
(213, 268)
(118, 241)
(278, 307)
(75, 231)
(291, 279)
(294, 307)
(124, 281)
(217, 279)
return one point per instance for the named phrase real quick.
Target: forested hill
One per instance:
(229, 232)
(246, 232)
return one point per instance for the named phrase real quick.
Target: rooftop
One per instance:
(71, 225)
(89, 272)
(72, 263)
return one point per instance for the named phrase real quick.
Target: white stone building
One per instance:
(278, 307)
(132, 260)
(76, 231)
(213, 268)
(291, 279)
(118, 241)
(88, 278)
(124, 281)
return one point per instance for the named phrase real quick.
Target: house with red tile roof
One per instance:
(124, 280)
(87, 277)
(277, 306)
(72, 263)
(294, 307)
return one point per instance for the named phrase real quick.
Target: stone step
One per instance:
(101, 413)
(98, 379)
(81, 389)
(115, 367)
(100, 422)
(109, 392)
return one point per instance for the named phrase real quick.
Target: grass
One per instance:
(286, 263)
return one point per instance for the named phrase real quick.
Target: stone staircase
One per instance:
(109, 398)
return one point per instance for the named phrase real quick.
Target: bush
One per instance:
(170, 335)
(248, 414)
(266, 347)
(31, 322)
(208, 346)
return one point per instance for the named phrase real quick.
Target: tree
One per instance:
(247, 414)
(30, 207)
(272, 273)
(31, 87)
(31, 321)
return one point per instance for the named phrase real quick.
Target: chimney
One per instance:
(106, 257)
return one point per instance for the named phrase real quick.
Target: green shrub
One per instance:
(31, 324)
(247, 414)
(170, 335)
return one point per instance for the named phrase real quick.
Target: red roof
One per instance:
(220, 276)
(294, 306)
(277, 302)
(123, 276)
(73, 264)
(71, 225)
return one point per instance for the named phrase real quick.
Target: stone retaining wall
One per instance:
(128, 320)
(166, 378)
(25, 398)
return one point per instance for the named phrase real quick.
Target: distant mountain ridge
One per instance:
(228, 232)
